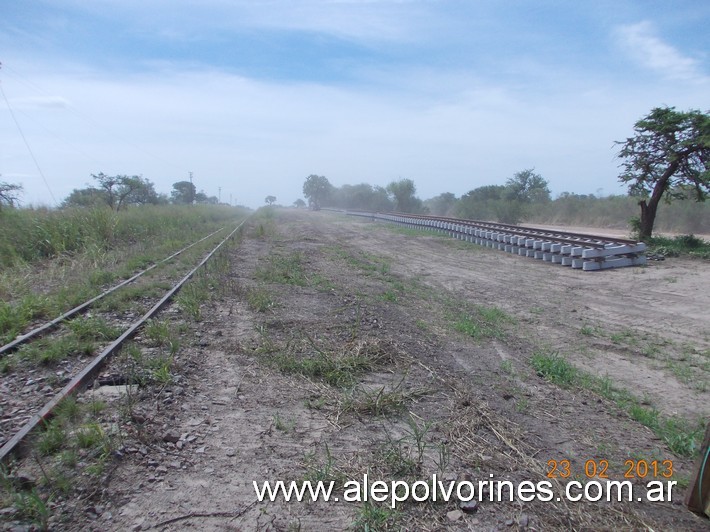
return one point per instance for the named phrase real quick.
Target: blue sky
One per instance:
(253, 96)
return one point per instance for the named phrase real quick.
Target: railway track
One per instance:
(30, 393)
(46, 327)
(577, 250)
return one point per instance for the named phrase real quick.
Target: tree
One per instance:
(86, 197)
(527, 187)
(403, 192)
(270, 200)
(668, 156)
(9, 193)
(121, 190)
(482, 203)
(203, 199)
(115, 191)
(441, 205)
(183, 193)
(316, 189)
(299, 203)
(143, 193)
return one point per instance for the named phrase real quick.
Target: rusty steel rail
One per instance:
(577, 250)
(37, 331)
(13, 445)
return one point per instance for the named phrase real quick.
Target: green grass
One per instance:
(482, 322)
(31, 235)
(682, 245)
(365, 262)
(15, 317)
(322, 470)
(389, 295)
(53, 260)
(682, 436)
(626, 337)
(193, 294)
(93, 328)
(52, 439)
(91, 436)
(379, 402)
(554, 368)
(372, 517)
(48, 352)
(588, 330)
(283, 270)
(336, 369)
(338, 366)
(259, 300)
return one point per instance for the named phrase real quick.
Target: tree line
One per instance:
(120, 191)
(667, 159)
(506, 203)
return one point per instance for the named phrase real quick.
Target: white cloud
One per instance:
(34, 102)
(643, 45)
(255, 138)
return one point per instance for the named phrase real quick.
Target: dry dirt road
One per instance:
(337, 347)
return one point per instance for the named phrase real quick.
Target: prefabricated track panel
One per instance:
(579, 251)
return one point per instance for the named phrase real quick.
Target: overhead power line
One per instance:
(29, 149)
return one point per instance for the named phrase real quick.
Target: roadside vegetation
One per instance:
(75, 450)
(53, 260)
(682, 436)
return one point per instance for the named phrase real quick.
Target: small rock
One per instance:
(138, 418)
(161, 469)
(171, 437)
(469, 506)
(454, 515)
(523, 520)
(509, 522)
(200, 450)
(229, 451)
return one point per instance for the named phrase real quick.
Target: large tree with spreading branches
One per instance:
(667, 158)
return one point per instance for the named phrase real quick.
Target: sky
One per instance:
(253, 96)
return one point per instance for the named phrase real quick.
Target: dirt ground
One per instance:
(419, 395)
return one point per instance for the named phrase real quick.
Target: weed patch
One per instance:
(482, 322)
(283, 270)
(679, 434)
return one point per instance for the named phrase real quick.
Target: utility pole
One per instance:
(219, 194)
(192, 188)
